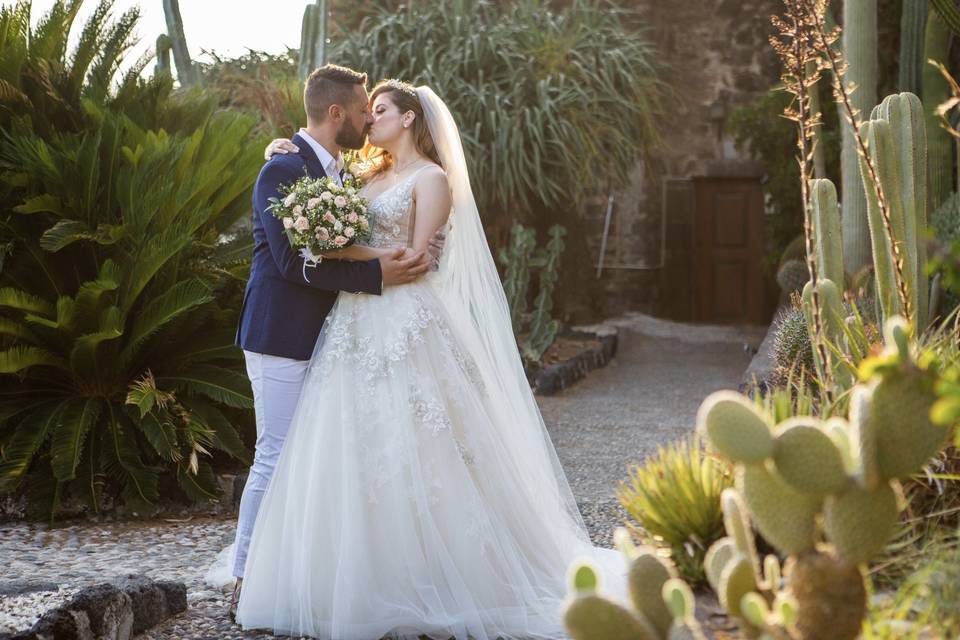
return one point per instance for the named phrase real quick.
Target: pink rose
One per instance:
(349, 232)
(340, 241)
(313, 203)
(290, 199)
(352, 218)
(298, 210)
(301, 224)
(288, 223)
(329, 217)
(322, 234)
(340, 201)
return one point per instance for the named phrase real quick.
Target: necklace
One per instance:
(397, 169)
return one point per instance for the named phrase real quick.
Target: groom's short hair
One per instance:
(330, 84)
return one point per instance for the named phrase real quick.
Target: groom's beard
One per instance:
(349, 138)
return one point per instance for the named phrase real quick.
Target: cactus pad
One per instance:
(859, 522)
(735, 427)
(807, 459)
(783, 515)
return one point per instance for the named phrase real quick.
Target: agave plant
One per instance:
(116, 357)
(673, 499)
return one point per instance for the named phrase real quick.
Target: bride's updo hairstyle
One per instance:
(404, 96)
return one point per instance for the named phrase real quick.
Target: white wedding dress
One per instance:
(409, 498)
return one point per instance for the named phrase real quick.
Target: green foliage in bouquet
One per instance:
(118, 288)
(674, 501)
(537, 329)
(539, 95)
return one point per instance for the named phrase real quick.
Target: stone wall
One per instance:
(715, 55)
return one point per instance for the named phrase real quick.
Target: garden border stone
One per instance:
(115, 610)
(558, 376)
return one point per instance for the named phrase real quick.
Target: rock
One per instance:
(61, 624)
(148, 601)
(110, 611)
(176, 595)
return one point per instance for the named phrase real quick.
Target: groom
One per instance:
(286, 301)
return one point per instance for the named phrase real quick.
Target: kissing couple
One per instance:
(404, 483)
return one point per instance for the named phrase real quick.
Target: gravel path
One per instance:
(647, 396)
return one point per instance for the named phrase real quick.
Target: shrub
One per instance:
(117, 361)
(674, 501)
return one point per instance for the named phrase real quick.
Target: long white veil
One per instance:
(470, 289)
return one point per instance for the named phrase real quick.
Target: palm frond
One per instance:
(21, 357)
(79, 416)
(179, 299)
(219, 384)
(32, 431)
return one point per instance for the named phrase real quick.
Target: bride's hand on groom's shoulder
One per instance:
(280, 146)
(403, 266)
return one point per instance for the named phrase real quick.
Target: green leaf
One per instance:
(140, 482)
(176, 301)
(83, 356)
(21, 357)
(15, 330)
(201, 487)
(66, 232)
(225, 437)
(23, 301)
(223, 385)
(79, 416)
(29, 436)
(161, 434)
(45, 203)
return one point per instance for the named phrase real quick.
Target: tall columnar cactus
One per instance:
(834, 316)
(164, 44)
(936, 91)
(896, 142)
(186, 69)
(313, 38)
(860, 53)
(516, 277)
(805, 479)
(543, 327)
(913, 22)
(661, 605)
(826, 228)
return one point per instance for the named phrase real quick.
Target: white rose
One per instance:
(340, 201)
(288, 223)
(326, 196)
(298, 210)
(337, 226)
(290, 199)
(349, 232)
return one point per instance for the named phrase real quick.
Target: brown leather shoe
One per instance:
(235, 600)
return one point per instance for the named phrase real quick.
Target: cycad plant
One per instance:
(116, 356)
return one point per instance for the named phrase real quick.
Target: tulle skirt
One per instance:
(405, 502)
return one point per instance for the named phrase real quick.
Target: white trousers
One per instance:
(276, 384)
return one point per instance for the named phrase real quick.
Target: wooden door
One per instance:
(728, 247)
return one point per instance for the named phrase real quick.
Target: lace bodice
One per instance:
(391, 215)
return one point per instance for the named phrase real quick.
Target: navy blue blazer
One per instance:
(282, 312)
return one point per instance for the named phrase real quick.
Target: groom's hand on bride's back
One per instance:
(403, 266)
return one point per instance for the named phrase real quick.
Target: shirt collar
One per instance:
(330, 164)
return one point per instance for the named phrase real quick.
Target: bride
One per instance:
(418, 492)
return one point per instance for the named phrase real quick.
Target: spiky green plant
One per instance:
(673, 499)
(116, 352)
(792, 351)
(535, 330)
(313, 38)
(525, 92)
(936, 90)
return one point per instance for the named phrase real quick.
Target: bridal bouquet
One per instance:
(319, 215)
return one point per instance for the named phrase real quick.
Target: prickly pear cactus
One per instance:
(804, 480)
(661, 605)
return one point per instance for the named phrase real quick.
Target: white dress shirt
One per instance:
(330, 164)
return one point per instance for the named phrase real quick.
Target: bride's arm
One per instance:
(432, 195)
(357, 252)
